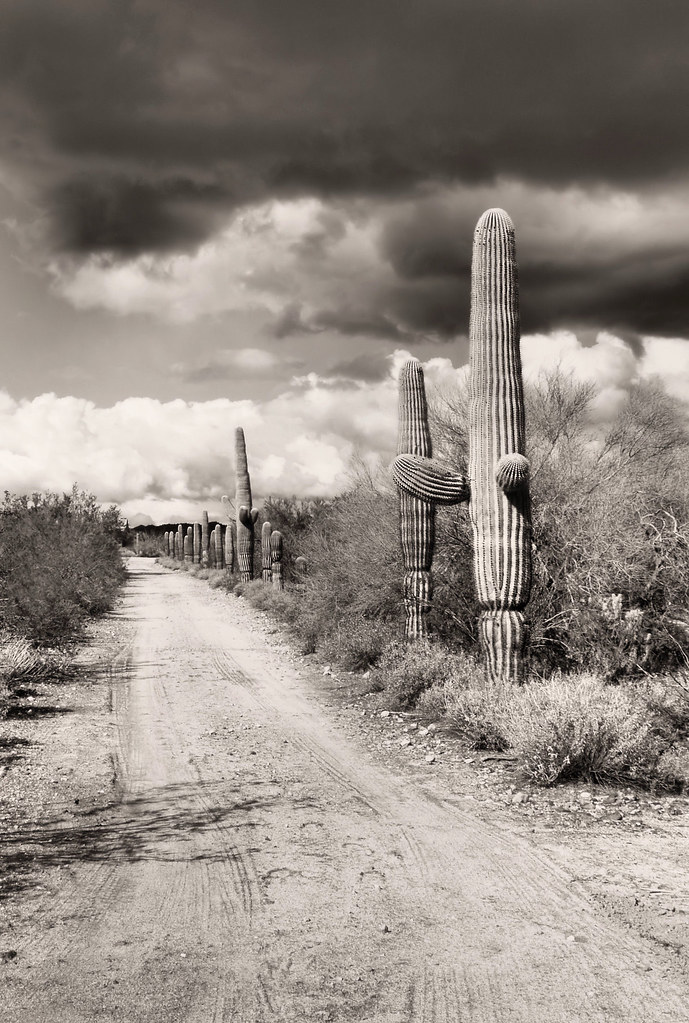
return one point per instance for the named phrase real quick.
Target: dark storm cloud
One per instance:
(638, 285)
(140, 125)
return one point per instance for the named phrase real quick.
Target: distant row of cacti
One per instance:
(219, 553)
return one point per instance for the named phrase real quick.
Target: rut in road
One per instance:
(259, 866)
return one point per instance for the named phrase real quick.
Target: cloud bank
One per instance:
(171, 460)
(401, 269)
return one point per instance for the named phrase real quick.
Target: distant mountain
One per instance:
(140, 520)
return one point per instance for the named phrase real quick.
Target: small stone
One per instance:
(584, 797)
(385, 713)
(327, 670)
(430, 758)
(520, 797)
(405, 741)
(385, 929)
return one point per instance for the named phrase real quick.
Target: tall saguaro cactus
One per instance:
(498, 485)
(189, 545)
(246, 515)
(266, 562)
(500, 505)
(278, 578)
(197, 543)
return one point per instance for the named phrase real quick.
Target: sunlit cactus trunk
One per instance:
(416, 516)
(219, 547)
(266, 562)
(166, 543)
(246, 515)
(180, 542)
(301, 567)
(197, 543)
(189, 546)
(211, 549)
(229, 548)
(498, 470)
(278, 578)
(204, 539)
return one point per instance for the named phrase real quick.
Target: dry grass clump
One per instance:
(21, 663)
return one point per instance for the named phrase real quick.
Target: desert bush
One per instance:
(149, 546)
(59, 564)
(411, 672)
(476, 713)
(672, 770)
(357, 645)
(578, 726)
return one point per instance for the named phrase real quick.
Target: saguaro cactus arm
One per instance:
(428, 480)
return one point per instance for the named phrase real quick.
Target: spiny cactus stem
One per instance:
(498, 471)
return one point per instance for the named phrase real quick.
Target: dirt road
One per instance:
(258, 865)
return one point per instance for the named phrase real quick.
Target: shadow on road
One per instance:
(170, 824)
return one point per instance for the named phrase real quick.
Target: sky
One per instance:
(251, 212)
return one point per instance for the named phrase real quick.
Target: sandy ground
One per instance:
(215, 834)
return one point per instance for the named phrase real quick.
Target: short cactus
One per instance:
(266, 562)
(301, 567)
(219, 547)
(278, 578)
(204, 539)
(246, 515)
(229, 548)
(211, 549)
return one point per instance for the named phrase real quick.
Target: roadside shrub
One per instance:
(60, 563)
(576, 726)
(672, 770)
(410, 671)
(478, 712)
(358, 645)
(148, 546)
